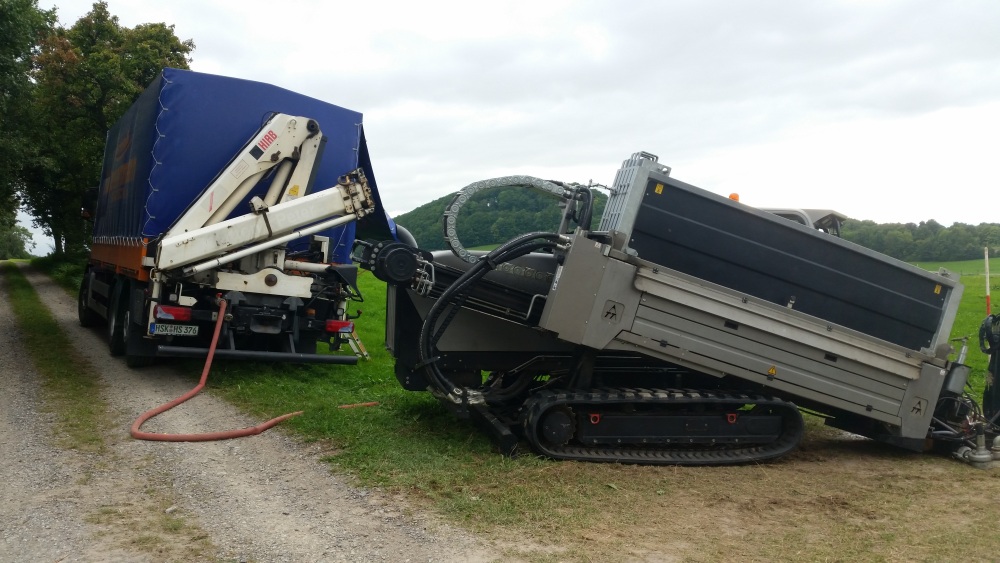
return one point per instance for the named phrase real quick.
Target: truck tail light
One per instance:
(173, 313)
(342, 327)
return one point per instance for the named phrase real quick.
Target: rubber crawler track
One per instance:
(727, 454)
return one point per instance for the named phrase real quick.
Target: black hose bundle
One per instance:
(586, 215)
(452, 299)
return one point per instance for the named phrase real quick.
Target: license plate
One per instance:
(174, 330)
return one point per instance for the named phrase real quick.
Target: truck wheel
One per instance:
(88, 317)
(134, 343)
(116, 314)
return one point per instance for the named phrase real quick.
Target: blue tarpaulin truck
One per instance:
(219, 187)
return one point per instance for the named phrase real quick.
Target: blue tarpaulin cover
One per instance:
(186, 127)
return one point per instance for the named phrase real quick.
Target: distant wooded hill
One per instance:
(927, 241)
(490, 217)
(496, 216)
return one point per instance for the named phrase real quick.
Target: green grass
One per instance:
(962, 268)
(70, 385)
(66, 271)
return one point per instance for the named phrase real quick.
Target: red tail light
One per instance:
(172, 313)
(343, 327)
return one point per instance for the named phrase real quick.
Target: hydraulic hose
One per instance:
(455, 295)
(208, 436)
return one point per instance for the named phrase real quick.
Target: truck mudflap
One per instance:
(185, 352)
(661, 426)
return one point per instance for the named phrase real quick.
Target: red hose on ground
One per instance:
(208, 436)
(356, 405)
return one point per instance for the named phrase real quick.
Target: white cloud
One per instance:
(936, 165)
(880, 109)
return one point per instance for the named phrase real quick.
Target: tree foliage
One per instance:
(85, 77)
(22, 27)
(15, 242)
(927, 241)
(490, 217)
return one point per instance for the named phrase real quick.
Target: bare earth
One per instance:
(263, 498)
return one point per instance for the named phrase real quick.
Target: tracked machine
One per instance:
(685, 328)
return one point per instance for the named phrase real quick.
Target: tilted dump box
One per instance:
(704, 281)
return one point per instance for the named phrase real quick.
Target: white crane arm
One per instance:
(285, 139)
(350, 199)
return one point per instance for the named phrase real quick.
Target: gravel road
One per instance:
(262, 498)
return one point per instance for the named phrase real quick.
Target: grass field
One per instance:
(962, 268)
(835, 498)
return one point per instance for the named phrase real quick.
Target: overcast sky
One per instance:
(882, 110)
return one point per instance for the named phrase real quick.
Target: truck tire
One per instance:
(138, 352)
(87, 316)
(116, 315)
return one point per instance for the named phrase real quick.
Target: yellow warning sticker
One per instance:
(658, 189)
(937, 289)
(773, 370)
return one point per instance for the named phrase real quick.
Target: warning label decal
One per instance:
(613, 311)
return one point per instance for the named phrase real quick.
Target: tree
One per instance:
(899, 243)
(22, 24)
(87, 76)
(15, 240)
(989, 236)
(927, 242)
(491, 217)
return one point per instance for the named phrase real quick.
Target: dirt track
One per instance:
(263, 498)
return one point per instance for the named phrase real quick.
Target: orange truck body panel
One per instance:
(124, 259)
